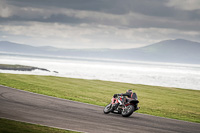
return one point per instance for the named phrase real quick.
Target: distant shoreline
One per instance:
(20, 67)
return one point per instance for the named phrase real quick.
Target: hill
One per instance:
(175, 51)
(178, 50)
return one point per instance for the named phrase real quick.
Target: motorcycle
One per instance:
(122, 105)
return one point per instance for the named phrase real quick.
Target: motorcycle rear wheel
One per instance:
(128, 111)
(107, 109)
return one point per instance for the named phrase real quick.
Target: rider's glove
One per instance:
(115, 95)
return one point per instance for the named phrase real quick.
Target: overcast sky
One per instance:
(98, 23)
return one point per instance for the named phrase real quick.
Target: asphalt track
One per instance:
(44, 110)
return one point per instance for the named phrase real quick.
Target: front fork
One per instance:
(115, 103)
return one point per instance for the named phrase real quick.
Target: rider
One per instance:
(129, 94)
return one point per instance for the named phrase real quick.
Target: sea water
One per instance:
(185, 76)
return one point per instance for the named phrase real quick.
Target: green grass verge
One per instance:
(167, 102)
(10, 126)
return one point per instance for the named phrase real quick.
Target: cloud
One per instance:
(185, 4)
(90, 36)
(71, 16)
(5, 10)
(98, 23)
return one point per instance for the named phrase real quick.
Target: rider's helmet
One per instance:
(129, 91)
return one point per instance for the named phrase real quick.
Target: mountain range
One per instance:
(174, 51)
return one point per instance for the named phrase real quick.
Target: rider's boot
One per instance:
(137, 108)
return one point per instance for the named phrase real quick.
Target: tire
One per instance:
(128, 111)
(107, 109)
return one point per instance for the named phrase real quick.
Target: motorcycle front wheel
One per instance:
(128, 110)
(107, 109)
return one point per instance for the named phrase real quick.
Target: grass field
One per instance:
(167, 102)
(10, 126)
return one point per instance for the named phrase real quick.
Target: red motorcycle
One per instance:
(122, 105)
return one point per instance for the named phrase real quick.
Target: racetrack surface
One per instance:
(45, 110)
